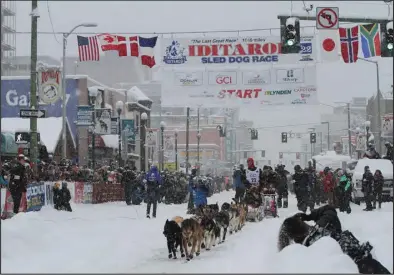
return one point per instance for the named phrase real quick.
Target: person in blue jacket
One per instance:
(200, 193)
(153, 184)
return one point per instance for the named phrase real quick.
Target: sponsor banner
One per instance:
(387, 126)
(188, 79)
(48, 193)
(87, 193)
(102, 121)
(49, 84)
(274, 86)
(8, 209)
(79, 189)
(35, 196)
(254, 50)
(222, 78)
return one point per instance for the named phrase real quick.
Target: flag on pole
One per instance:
(370, 40)
(329, 45)
(349, 44)
(147, 51)
(88, 48)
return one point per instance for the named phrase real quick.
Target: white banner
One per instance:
(49, 84)
(221, 51)
(188, 79)
(235, 87)
(387, 126)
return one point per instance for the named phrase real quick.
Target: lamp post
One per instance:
(144, 119)
(176, 149)
(367, 125)
(198, 147)
(93, 92)
(379, 121)
(162, 126)
(64, 114)
(119, 109)
(328, 133)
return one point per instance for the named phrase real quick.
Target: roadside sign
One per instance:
(114, 125)
(327, 18)
(25, 137)
(84, 115)
(29, 113)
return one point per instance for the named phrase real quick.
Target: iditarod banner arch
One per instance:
(237, 71)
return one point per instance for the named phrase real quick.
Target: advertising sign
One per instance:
(249, 50)
(102, 122)
(387, 126)
(15, 95)
(294, 85)
(84, 115)
(49, 84)
(128, 129)
(35, 196)
(188, 79)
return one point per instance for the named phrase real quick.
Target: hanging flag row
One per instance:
(136, 46)
(366, 41)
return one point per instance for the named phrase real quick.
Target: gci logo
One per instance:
(220, 79)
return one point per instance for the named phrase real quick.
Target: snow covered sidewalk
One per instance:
(115, 238)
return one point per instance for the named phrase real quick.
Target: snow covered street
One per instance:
(115, 238)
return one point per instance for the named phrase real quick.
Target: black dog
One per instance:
(222, 219)
(225, 206)
(211, 232)
(173, 233)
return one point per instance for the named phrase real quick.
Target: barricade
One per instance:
(39, 194)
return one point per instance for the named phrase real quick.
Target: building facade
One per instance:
(8, 36)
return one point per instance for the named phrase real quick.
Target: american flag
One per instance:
(88, 48)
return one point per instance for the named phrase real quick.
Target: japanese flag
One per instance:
(330, 46)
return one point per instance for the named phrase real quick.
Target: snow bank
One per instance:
(324, 256)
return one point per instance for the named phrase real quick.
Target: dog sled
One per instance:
(255, 207)
(269, 202)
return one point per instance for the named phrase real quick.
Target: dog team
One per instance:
(204, 230)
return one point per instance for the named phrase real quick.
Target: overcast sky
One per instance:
(336, 82)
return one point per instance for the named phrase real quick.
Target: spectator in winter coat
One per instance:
(56, 199)
(153, 183)
(367, 188)
(200, 193)
(190, 205)
(344, 189)
(64, 198)
(282, 188)
(239, 177)
(378, 182)
(301, 188)
(128, 179)
(329, 185)
(389, 151)
(17, 184)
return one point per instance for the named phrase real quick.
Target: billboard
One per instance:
(15, 95)
(219, 51)
(218, 87)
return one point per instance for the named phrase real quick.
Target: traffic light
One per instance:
(313, 137)
(387, 38)
(254, 134)
(290, 36)
(284, 137)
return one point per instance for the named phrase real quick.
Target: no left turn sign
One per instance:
(327, 18)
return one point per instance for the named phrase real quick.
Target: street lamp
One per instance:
(93, 92)
(144, 119)
(119, 109)
(64, 121)
(379, 126)
(162, 126)
(198, 147)
(367, 126)
(176, 149)
(328, 133)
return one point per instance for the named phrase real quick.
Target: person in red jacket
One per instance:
(328, 184)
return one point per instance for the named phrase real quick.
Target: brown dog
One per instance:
(192, 233)
(242, 215)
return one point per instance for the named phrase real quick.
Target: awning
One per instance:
(49, 128)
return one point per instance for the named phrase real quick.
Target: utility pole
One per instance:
(348, 130)
(379, 110)
(198, 136)
(187, 139)
(33, 85)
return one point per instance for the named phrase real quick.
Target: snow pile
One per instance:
(324, 256)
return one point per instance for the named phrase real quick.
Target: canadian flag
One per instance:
(330, 46)
(126, 46)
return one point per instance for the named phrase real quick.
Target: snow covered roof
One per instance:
(135, 94)
(108, 106)
(111, 141)
(49, 128)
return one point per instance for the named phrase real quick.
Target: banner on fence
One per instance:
(87, 193)
(248, 50)
(218, 87)
(35, 196)
(8, 210)
(79, 189)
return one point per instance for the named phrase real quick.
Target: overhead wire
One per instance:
(50, 20)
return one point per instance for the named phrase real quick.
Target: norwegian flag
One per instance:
(349, 44)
